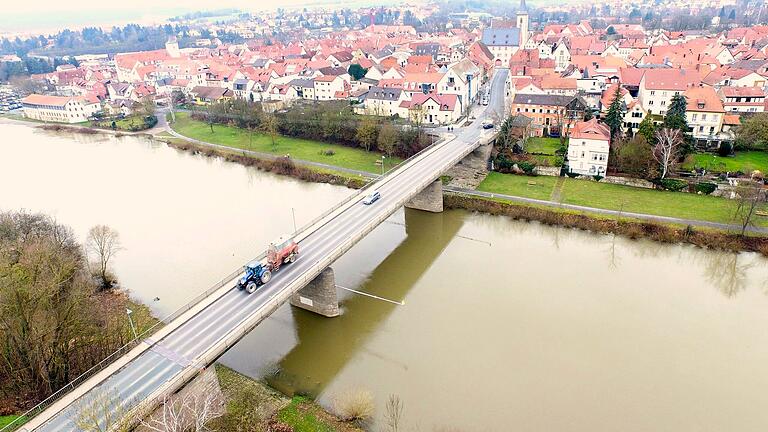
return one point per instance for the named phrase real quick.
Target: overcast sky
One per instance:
(46, 6)
(18, 16)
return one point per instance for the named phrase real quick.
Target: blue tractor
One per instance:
(256, 274)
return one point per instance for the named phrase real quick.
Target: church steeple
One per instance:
(522, 23)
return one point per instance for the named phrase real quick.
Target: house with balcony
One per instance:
(704, 114)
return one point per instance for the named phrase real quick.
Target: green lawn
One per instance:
(546, 146)
(299, 414)
(315, 151)
(661, 203)
(6, 420)
(539, 188)
(744, 161)
(616, 197)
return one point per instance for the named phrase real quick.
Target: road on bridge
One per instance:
(181, 351)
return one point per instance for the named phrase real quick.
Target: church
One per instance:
(503, 40)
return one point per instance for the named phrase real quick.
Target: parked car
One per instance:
(487, 125)
(371, 198)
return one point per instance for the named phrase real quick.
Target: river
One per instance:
(506, 325)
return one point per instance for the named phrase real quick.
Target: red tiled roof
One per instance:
(703, 99)
(590, 130)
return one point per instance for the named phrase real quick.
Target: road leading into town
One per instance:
(169, 362)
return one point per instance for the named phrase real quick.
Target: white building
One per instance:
(61, 109)
(658, 86)
(588, 148)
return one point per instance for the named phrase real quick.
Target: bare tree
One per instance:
(668, 143)
(394, 413)
(103, 411)
(750, 196)
(102, 244)
(387, 139)
(270, 127)
(188, 412)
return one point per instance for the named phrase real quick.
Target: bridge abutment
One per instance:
(430, 199)
(319, 296)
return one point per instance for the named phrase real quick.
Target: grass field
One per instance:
(545, 149)
(315, 151)
(616, 197)
(302, 417)
(745, 161)
(546, 146)
(530, 187)
(6, 420)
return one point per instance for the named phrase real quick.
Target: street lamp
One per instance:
(469, 93)
(133, 328)
(383, 158)
(293, 213)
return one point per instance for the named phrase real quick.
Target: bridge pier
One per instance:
(319, 296)
(430, 199)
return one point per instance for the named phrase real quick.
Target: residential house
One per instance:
(742, 99)
(658, 86)
(204, 95)
(434, 108)
(305, 88)
(384, 102)
(462, 79)
(330, 87)
(588, 147)
(550, 114)
(704, 114)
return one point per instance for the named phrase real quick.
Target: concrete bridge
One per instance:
(160, 365)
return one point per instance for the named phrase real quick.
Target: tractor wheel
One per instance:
(292, 258)
(251, 287)
(266, 276)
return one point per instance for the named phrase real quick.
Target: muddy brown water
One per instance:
(506, 325)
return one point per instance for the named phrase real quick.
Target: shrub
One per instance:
(673, 184)
(705, 188)
(283, 165)
(572, 174)
(725, 149)
(354, 405)
(527, 167)
(597, 177)
(327, 152)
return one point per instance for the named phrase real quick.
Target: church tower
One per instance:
(522, 23)
(172, 47)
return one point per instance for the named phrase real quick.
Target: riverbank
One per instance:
(665, 233)
(255, 406)
(606, 196)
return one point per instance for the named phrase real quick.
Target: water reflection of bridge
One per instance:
(325, 345)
